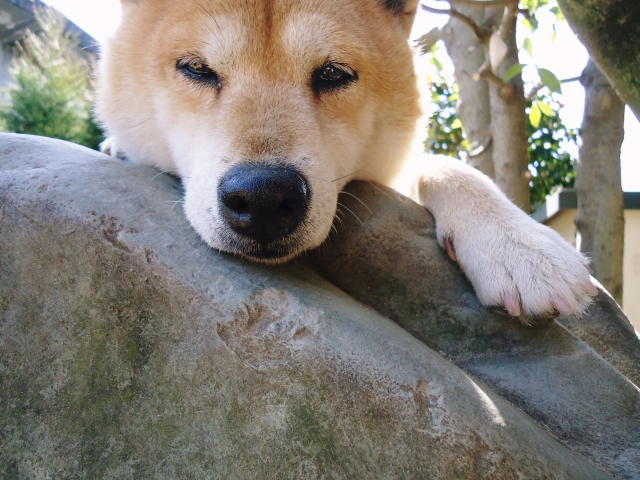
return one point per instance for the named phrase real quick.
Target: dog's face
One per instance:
(265, 109)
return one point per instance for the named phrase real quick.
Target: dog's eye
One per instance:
(331, 77)
(199, 71)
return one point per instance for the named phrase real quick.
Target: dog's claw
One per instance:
(590, 289)
(451, 251)
(562, 306)
(109, 147)
(511, 305)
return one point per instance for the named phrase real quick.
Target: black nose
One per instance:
(263, 202)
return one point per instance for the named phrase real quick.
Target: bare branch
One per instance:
(539, 86)
(534, 91)
(481, 34)
(428, 40)
(486, 73)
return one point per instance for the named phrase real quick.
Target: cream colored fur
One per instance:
(264, 52)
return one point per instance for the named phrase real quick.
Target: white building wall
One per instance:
(562, 223)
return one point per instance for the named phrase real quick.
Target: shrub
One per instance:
(51, 92)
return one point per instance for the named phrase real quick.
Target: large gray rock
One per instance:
(129, 349)
(547, 372)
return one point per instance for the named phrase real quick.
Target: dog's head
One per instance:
(265, 108)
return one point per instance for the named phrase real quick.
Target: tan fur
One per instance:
(264, 52)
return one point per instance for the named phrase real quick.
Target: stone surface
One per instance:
(129, 349)
(610, 333)
(547, 372)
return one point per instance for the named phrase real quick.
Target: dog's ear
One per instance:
(404, 10)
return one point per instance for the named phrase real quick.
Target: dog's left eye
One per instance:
(331, 77)
(199, 71)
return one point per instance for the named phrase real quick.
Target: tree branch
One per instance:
(534, 91)
(481, 34)
(428, 40)
(506, 26)
(539, 86)
(486, 73)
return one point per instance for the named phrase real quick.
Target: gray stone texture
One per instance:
(130, 349)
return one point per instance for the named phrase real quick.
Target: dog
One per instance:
(267, 108)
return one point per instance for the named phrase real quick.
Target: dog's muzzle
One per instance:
(263, 202)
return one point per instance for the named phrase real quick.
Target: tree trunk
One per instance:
(509, 125)
(474, 109)
(600, 219)
(610, 30)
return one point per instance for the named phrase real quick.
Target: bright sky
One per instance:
(566, 57)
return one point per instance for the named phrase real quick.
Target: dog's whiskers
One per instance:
(333, 227)
(352, 195)
(379, 189)
(351, 211)
(351, 174)
(141, 123)
(161, 173)
(326, 244)
(175, 203)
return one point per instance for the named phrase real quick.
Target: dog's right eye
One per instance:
(197, 70)
(331, 77)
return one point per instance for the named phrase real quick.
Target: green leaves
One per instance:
(535, 115)
(558, 13)
(50, 92)
(527, 46)
(545, 108)
(515, 69)
(547, 77)
(538, 108)
(530, 23)
(549, 80)
(445, 131)
(551, 165)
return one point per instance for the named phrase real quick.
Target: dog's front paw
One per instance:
(522, 267)
(110, 147)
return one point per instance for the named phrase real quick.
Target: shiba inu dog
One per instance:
(267, 108)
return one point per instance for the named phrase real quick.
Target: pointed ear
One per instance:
(404, 10)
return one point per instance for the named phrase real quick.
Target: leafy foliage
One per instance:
(550, 164)
(51, 93)
(533, 5)
(445, 132)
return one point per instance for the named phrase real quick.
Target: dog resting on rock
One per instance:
(267, 108)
